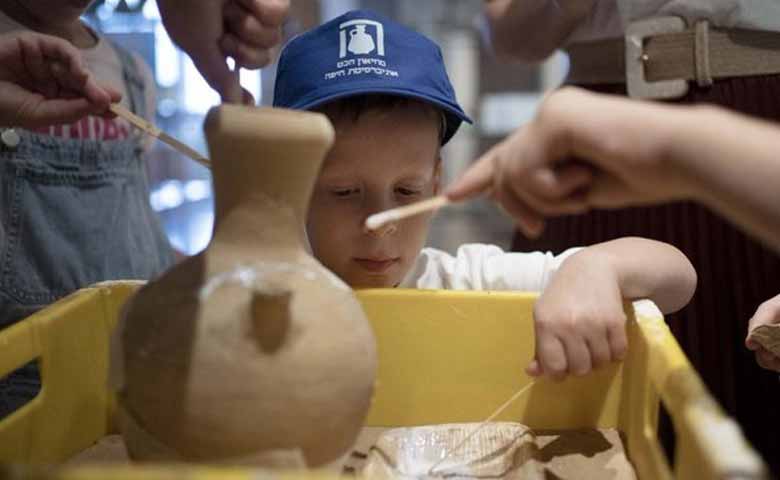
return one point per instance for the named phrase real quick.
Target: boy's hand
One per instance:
(212, 30)
(43, 81)
(579, 319)
(768, 313)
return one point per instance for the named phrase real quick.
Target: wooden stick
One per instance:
(377, 220)
(152, 130)
(482, 425)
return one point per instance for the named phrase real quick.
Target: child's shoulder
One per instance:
(125, 57)
(483, 256)
(126, 68)
(466, 256)
(477, 266)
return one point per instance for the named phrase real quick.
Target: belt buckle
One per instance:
(636, 33)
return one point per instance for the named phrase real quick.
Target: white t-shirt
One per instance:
(486, 267)
(483, 267)
(103, 61)
(610, 17)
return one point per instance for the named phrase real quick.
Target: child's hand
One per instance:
(768, 313)
(579, 319)
(43, 81)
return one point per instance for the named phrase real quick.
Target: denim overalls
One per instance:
(72, 212)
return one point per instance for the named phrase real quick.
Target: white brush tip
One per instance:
(376, 221)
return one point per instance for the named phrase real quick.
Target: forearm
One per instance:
(531, 30)
(645, 269)
(736, 161)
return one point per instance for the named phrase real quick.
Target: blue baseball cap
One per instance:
(362, 53)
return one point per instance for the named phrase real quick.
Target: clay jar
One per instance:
(251, 347)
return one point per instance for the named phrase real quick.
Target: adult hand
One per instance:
(582, 150)
(212, 30)
(768, 313)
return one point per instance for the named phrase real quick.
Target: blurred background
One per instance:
(496, 95)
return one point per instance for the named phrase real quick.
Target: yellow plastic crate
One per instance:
(434, 347)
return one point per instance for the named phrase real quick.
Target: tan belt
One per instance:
(657, 57)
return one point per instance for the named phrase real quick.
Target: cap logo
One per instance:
(357, 40)
(361, 48)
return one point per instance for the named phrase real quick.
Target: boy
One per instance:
(386, 91)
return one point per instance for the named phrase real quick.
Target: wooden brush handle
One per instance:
(152, 130)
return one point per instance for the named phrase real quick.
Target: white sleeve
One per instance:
(484, 267)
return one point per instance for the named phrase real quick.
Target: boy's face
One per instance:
(381, 160)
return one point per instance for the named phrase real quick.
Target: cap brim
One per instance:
(453, 112)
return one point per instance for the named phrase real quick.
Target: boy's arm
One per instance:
(531, 30)
(646, 269)
(579, 319)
